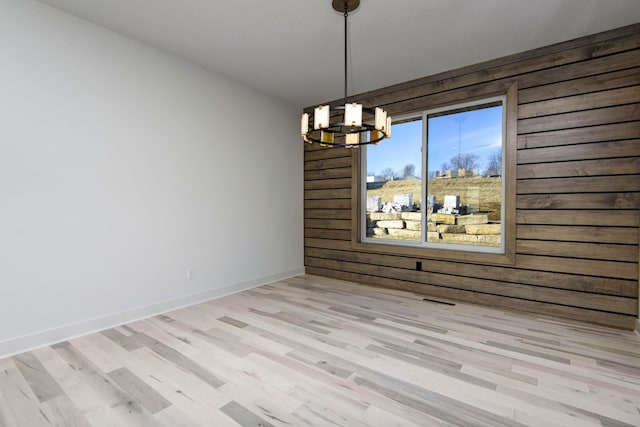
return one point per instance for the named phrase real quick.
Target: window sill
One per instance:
(472, 257)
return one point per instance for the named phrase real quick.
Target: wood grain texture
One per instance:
(514, 276)
(314, 351)
(469, 289)
(625, 95)
(595, 217)
(602, 133)
(580, 119)
(577, 234)
(589, 84)
(598, 167)
(611, 201)
(601, 150)
(576, 168)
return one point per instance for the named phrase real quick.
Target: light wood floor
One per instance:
(322, 352)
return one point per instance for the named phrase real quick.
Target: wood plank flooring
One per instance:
(323, 352)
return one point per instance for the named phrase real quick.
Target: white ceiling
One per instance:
(293, 49)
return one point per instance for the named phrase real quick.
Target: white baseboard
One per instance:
(36, 340)
(638, 327)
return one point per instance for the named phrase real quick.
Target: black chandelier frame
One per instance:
(367, 132)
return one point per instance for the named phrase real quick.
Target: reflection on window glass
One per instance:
(457, 199)
(394, 184)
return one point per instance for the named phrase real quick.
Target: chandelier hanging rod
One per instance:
(346, 56)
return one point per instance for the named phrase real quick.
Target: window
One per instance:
(440, 181)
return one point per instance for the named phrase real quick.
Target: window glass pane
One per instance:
(464, 180)
(394, 184)
(438, 183)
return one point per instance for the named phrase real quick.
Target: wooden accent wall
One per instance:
(577, 187)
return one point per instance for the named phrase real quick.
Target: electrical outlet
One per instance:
(191, 273)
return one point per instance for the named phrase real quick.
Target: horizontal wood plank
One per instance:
(581, 184)
(327, 183)
(579, 201)
(326, 244)
(327, 204)
(579, 168)
(324, 164)
(591, 83)
(333, 224)
(606, 218)
(589, 284)
(578, 119)
(314, 152)
(321, 233)
(587, 267)
(327, 214)
(587, 250)
(600, 150)
(601, 133)
(608, 98)
(342, 193)
(619, 235)
(327, 173)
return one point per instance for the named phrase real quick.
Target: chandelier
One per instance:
(360, 125)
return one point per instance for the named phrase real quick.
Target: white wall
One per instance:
(122, 166)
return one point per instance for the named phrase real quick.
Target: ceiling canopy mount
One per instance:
(345, 6)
